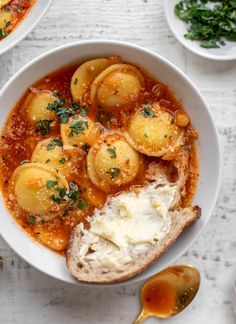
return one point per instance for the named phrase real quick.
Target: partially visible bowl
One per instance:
(25, 27)
(208, 145)
(180, 28)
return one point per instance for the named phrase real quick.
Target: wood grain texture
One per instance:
(30, 297)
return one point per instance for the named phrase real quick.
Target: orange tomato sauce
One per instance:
(19, 138)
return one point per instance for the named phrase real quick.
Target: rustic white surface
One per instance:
(30, 297)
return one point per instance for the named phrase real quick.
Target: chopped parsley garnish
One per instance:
(31, 219)
(64, 112)
(75, 106)
(145, 135)
(172, 121)
(3, 33)
(147, 112)
(83, 111)
(78, 127)
(62, 160)
(7, 8)
(81, 204)
(56, 94)
(208, 23)
(48, 160)
(50, 184)
(74, 192)
(65, 213)
(8, 23)
(112, 152)
(114, 172)
(53, 143)
(76, 81)
(85, 147)
(58, 107)
(61, 195)
(43, 126)
(73, 195)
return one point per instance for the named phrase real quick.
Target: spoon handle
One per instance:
(141, 318)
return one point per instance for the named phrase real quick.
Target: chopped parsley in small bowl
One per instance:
(206, 27)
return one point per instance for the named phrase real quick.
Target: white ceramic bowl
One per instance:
(30, 21)
(208, 145)
(179, 28)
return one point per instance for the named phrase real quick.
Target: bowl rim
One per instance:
(18, 38)
(135, 279)
(187, 45)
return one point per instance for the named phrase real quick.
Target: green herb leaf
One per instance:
(76, 81)
(3, 33)
(63, 112)
(50, 184)
(74, 192)
(53, 143)
(75, 106)
(85, 147)
(65, 213)
(43, 126)
(147, 112)
(81, 204)
(83, 111)
(31, 219)
(57, 142)
(62, 160)
(112, 152)
(208, 23)
(61, 195)
(78, 127)
(114, 172)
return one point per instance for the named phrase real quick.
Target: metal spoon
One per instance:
(167, 293)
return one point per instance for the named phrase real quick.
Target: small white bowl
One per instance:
(23, 29)
(208, 145)
(179, 28)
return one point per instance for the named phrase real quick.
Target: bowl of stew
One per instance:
(18, 18)
(54, 79)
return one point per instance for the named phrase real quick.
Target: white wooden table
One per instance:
(30, 297)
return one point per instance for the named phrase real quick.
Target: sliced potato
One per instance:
(152, 131)
(84, 76)
(117, 86)
(34, 185)
(4, 3)
(53, 155)
(37, 106)
(111, 164)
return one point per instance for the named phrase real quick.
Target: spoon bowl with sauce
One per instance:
(167, 293)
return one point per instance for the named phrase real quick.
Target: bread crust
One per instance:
(181, 219)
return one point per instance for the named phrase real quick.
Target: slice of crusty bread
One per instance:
(88, 272)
